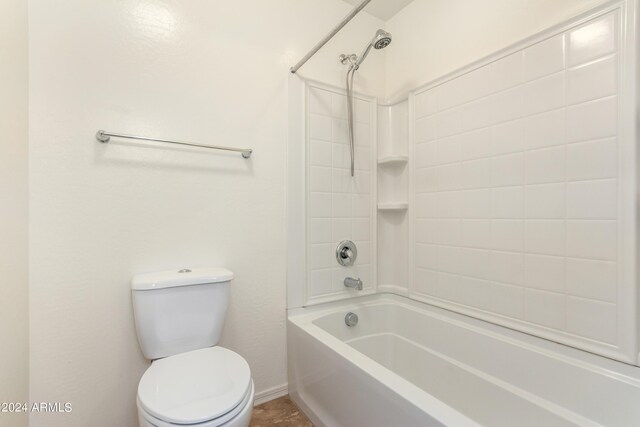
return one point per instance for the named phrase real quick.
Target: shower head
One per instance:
(381, 40)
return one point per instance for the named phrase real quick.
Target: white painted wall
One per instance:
(213, 72)
(14, 330)
(434, 37)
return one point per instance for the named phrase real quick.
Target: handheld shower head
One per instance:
(381, 40)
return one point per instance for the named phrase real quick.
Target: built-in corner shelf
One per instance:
(393, 206)
(393, 160)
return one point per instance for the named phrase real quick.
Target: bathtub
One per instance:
(411, 364)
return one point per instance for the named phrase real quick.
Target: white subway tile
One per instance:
(544, 94)
(449, 204)
(592, 120)
(427, 256)
(545, 130)
(476, 115)
(320, 127)
(592, 160)
(341, 156)
(448, 95)
(449, 259)
(449, 231)
(340, 131)
(339, 106)
(320, 256)
(362, 158)
(448, 150)
(362, 134)
(592, 319)
(507, 72)
(361, 229)
(546, 165)
(475, 84)
(320, 230)
(426, 282)
(364, 253)
(319, 101)
(544, 58)
(592, 81)
(341, 229)
(476, 144)
(360, 182)
(474, 263)
(426, 129)
(592, 279)
(473, 292)
(545, 201)
(595, 239)
(592, 199)
(320, 205)
(426, 154)
(341, 205)
(507, 137)
(320, 178)
(544, 308)
(320, 153)
(507, 235)
(320, 283)
(425, 103)
(476, 204)
(507, 267)
(545, 237)
(592, 40)
(427, 231)
(449, 177)
(507, 170)
(361, 206)
(426, 206)
(507, 203)
(449, 123)
(362, 111)
(476, 174)
(544, 272)
(476, 233)
(508, 105)
(426, 180)
(508, 300)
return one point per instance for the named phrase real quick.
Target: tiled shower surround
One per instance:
(516, 187)
(522, 174)
(339, 206)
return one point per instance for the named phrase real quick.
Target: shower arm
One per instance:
(329, 36)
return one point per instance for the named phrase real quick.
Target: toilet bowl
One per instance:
(179, 316)
(205, 388)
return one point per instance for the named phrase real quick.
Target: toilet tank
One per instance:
(180, 310)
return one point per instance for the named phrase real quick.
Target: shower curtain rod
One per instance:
(329, 36)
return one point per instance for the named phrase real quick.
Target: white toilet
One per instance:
(191, 382)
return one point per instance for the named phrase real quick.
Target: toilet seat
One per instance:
(205, 387)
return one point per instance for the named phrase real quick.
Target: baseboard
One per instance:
(270, 394)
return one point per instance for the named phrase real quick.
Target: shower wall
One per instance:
(338, 206)
(524, 186)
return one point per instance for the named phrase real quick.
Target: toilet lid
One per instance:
(196, 386)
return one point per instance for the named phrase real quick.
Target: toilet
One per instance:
(192, 381)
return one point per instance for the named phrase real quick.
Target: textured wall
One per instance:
(208, 71)
(13, 208)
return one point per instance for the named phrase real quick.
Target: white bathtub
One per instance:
(410, 364)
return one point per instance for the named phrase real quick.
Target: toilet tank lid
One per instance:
(182, 277)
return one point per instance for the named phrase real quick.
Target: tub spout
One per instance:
(350, 282)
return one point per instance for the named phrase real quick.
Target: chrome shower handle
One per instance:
(346, 253)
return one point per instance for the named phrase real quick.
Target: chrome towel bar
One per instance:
(104, 137)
